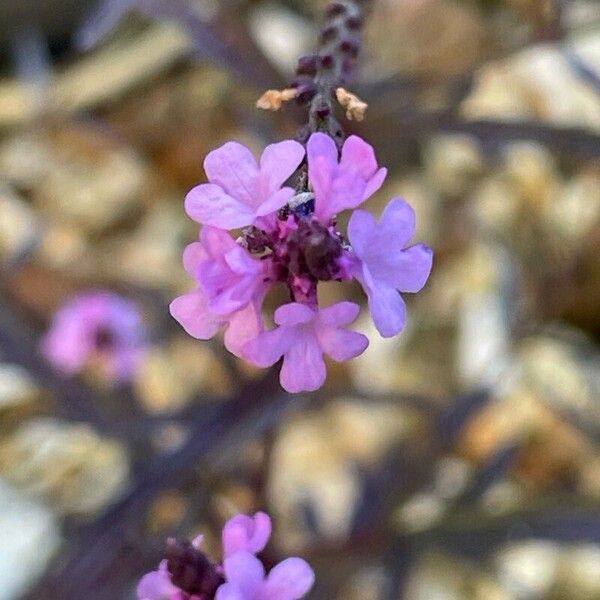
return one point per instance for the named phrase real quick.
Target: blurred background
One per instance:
(458, 461)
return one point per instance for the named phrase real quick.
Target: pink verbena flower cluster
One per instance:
(187, 573)
(291, 237)
(100, 327)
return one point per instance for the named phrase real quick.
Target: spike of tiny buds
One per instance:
(320, 77)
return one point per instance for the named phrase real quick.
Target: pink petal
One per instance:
(342, 313)
(241, 262)
(210, 205)
(374, 183)
(361, 231)
(275, 201)
(193, 255)
(294, 313)
(234, 168)
(341, 344)
(192, 312)
(246, 534)
(244, 571)
(268, 347)
(358, 156)
(156, 585)
(386, 306)
(279, 161)
(244, 325)
(291, 579)
(216, 241)
(397, 222)
(410, 268)
(303, 367)
(322, 157)
(228, 591)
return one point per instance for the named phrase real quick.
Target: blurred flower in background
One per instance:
(96, 328)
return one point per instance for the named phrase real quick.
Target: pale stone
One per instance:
(30, 537)
(69, 465)
(16, 386)
(528, 569)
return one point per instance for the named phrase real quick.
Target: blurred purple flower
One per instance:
(303, 336)
(386, 266)
(291, 579)
(344, 184)
(242, 192)
(96, 326)
(187, 574)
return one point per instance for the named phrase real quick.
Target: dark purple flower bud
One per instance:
(328, 33)
(307, 64)
(326, 61)
(350, 46)
(334, 9)
(322, 110)
(306, 92)
(189, 568)
(355, 22)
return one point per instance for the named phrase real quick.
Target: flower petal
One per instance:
(387, 308)
(339, 314)
(216, 241)
(156, 585)
(245, 572)
(341, 344)
(244, 325)
(374, 183)
(410, 268)
(228, 591)
(294, 313)
(279, 161)
(275, 201)
(192, 312)
(193, 255)
(397, 222)
(246, 534)
(358, 156)
(210, 205)
(361, 231)
(291, 579)
(268, 347)
(303, 365)
(234, 168)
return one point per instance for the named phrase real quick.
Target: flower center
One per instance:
(190, 569)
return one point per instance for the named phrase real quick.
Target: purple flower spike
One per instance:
(303, 336)
(246, 534)
(291, 579)
(96, 325)
(386, 265)
(344, 184)
(242, 192)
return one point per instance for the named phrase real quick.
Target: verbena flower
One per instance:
(291, 579)
(188, 574)
(242, 192)
(290, 237)
(100, 327)
(303, 336)
(385, 265)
